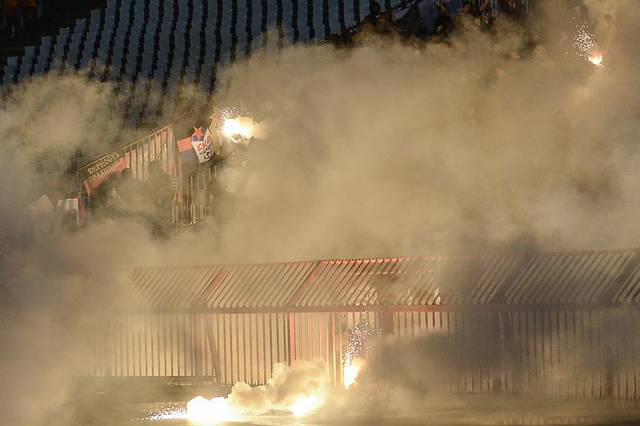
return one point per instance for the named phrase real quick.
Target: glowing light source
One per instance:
(351, 371)
(596, 58)
(586, 45)
(204, 411)
(305, 404)
(238, 126)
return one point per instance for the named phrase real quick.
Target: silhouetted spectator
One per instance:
(159, 193)
(374, 11)
(469, 9)
(512, 8)
(220, 202)
(444, 22)
(104, 200)
(469, 15)
(484, 11)
(112, 200)
(131, 192)
(377, 21)
(408, 21)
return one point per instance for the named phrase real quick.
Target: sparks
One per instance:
(584, 40)
(586, 46)
(204, 411)
(357, 345)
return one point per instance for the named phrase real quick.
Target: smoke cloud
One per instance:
(288, 384)
(438, 148)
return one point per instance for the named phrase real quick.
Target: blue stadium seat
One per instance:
(74, 44)
(318, 20)
(334, 16)
(44, 55)
(350, 14)
(10, 70)
(241, 19)
(165, 47)
(256, 18)
(59, 47)
(364, 9)
(26, 64)
(303, 27)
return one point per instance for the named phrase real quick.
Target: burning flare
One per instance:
(238, 126)
(596, 58)
(305, 404)
(351, 370)
(298, 389)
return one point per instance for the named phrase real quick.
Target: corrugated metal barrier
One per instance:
(559, 323)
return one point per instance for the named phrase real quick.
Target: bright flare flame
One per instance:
(596, 58)
(239, 126)
(351, 371)
(204, 411)
(305, 404)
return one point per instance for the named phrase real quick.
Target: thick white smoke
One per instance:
(298, 389)
(283, 390)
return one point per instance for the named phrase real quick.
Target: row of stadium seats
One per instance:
(162, 46)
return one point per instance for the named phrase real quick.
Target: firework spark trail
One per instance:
(584, 40)
(358, 342)
(586, 45)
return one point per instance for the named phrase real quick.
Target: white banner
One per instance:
(202, 143)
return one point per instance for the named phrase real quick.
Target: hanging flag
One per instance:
(96, 172)
(202, 143)
(186, 149)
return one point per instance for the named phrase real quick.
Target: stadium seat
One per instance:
(302, 25)
(26, 64)
(74, 44)
(89, 47)
(256, 18)
(57, 58)
(165, 47)
(10, 70)
(318, 20)
(350, 20)
(334, 16)
(364, 9)
(44, 52)
(271, 12)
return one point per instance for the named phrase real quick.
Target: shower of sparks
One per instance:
(220, 116)
(237, 125)
(586, 45)
(584, 40)
(204, 411)
(353, 361)
(171, 411)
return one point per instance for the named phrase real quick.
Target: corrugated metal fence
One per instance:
(556, 323)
